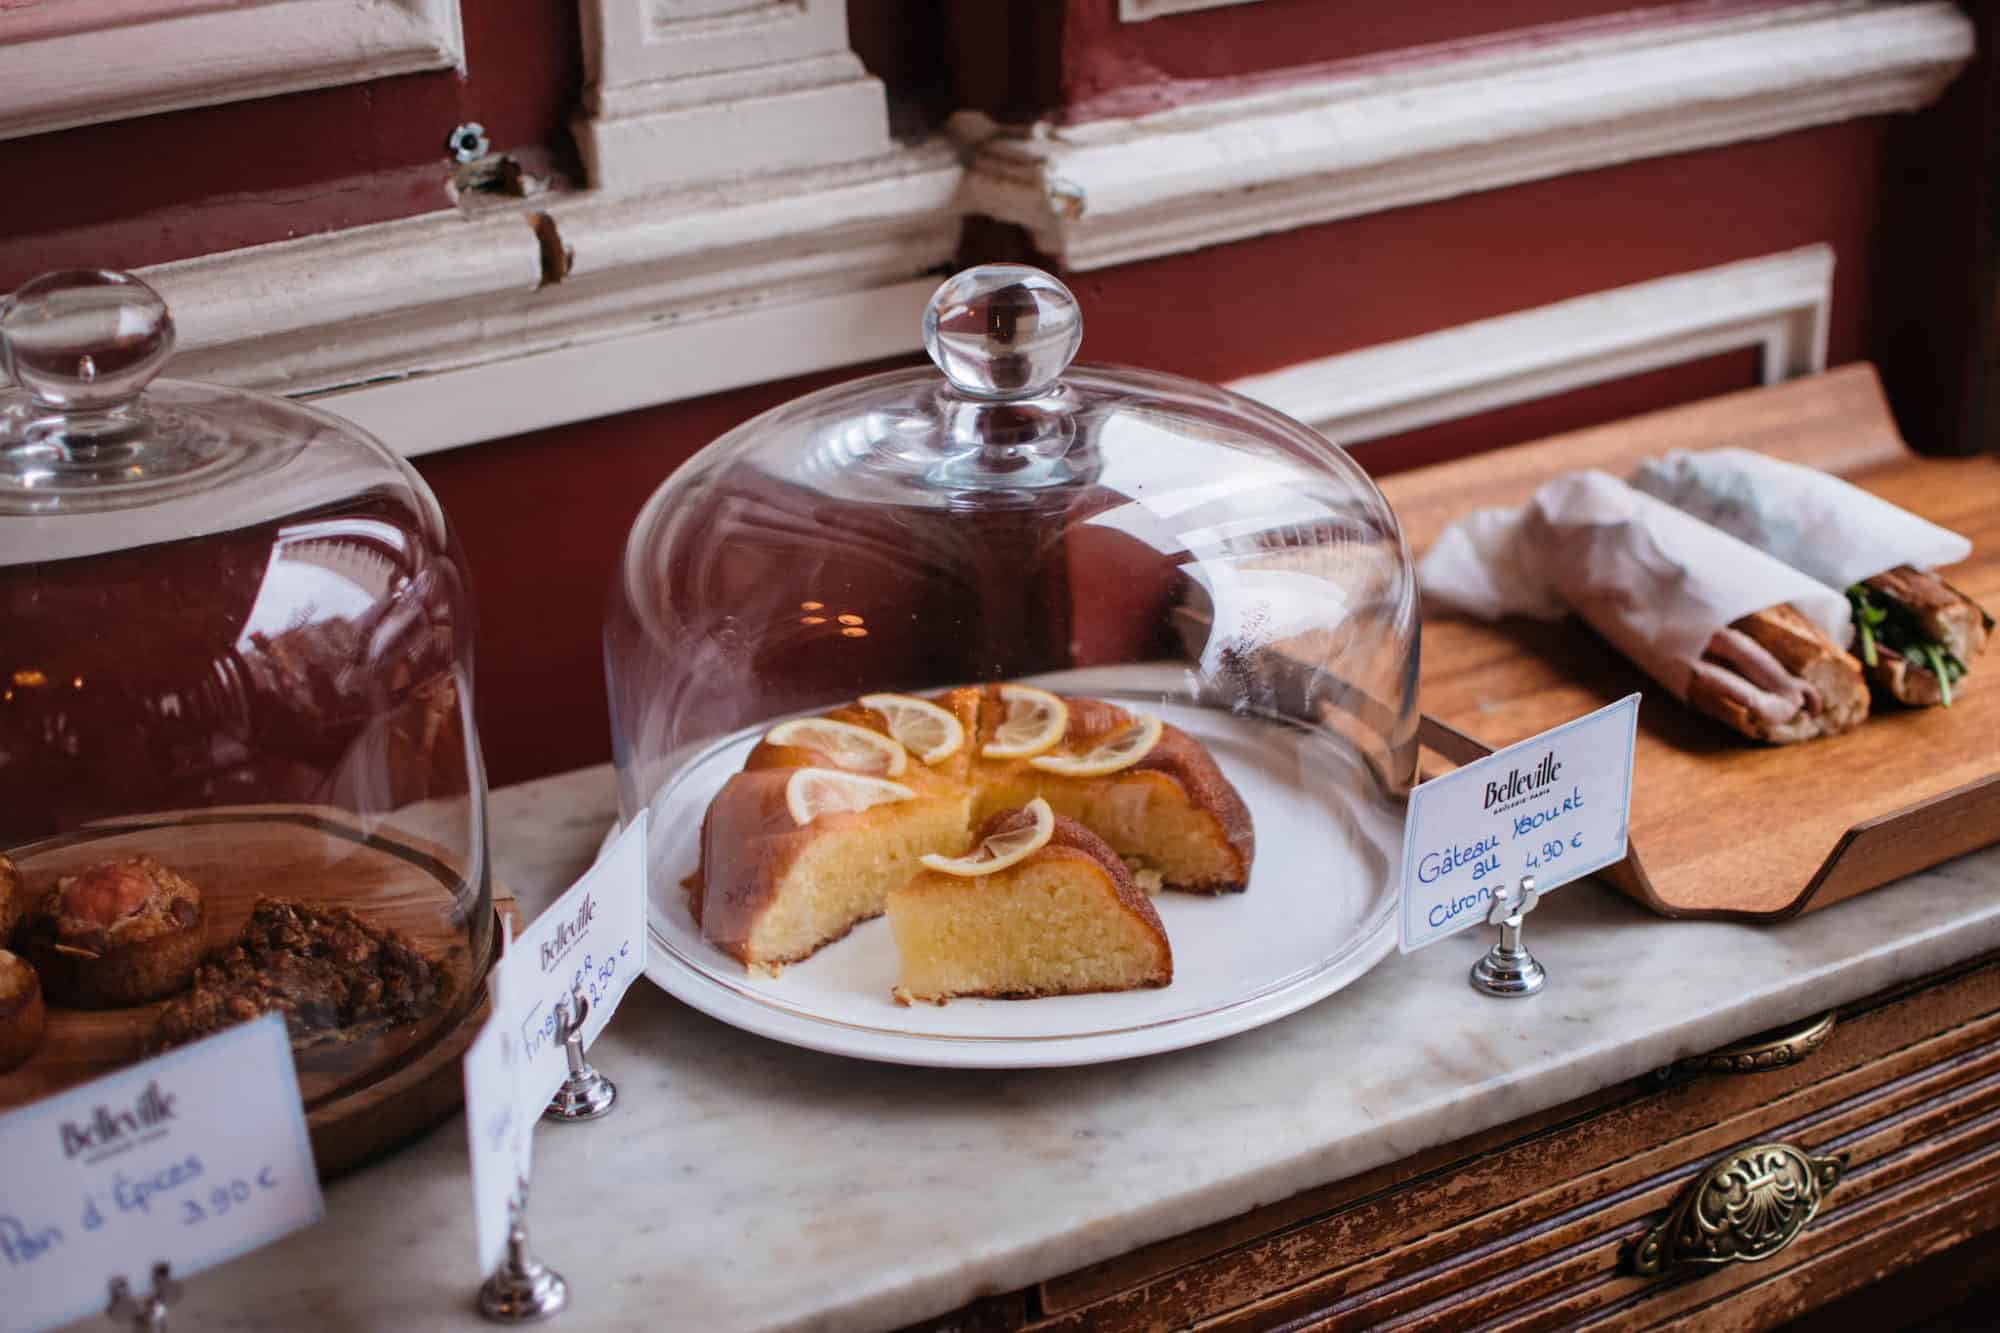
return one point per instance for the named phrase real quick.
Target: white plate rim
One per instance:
(799, 1026)
(698, 990)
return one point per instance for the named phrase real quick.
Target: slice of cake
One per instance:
(832, 812)
(1041, 906)
(1149, 789)
(793, 858)
(333, 975)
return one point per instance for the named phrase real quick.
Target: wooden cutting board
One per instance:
(1722, 826)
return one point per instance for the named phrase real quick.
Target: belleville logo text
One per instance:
(1517, 783)
(106, 1127)
(568, 932)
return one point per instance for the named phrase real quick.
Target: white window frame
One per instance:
(122, 70)
(681, 92)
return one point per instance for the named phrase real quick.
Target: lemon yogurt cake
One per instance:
(832, 813)
(1040, 906)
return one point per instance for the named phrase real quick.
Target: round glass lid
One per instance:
(237, 766)
(872, 624)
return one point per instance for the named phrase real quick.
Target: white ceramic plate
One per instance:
(1319, 912)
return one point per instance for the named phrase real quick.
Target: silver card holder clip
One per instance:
(1508, 969)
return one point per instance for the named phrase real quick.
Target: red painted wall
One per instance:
(1077, 60)
(543, 516)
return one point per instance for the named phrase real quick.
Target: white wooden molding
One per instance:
(1778, 303)
(446, 330)
(53, 77)
(681, 92)
(1112, 191)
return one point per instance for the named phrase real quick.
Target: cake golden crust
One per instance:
(755, 895)
(119, 933)
(1172, 811)
(1188, 788)
(23, 1015)
(1076, 855)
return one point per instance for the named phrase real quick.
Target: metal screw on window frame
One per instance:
(467, 143)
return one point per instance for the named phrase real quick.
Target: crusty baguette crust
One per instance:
(1908, 682)
(1942, 611)
(1805, 651)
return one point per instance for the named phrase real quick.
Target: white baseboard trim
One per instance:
(1778, 303)
(447, 330)
(427, 413)
(54, 79)
(470, 327)
(1477, 117)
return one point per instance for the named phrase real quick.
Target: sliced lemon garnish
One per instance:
(812, 792)
(1036, 720)
(854, 749)
(1125, 749)
(929, 732)
(1002, 849)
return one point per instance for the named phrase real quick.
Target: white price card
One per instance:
(191, 1158)
(1553, 806)
(593, 937)
(497, 1128)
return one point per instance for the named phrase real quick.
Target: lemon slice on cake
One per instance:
(812, 792)
(1122, 751)
(851, 748)
(1035, 721)
(1002, 849)
(927, 731)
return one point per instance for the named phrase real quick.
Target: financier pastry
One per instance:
(23, 1016)
(832, 813)
(119, 933)
(13, 899)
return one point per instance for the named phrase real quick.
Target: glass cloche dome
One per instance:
(1133, 546)
(238, 771)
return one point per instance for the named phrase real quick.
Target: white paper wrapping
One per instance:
(1653, 581)
(1833, 532)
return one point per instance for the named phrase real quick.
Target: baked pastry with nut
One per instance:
(119, 933)
(13, 900)
(23, 1016)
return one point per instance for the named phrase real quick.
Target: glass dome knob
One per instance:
(85, 340)
(1002, 331)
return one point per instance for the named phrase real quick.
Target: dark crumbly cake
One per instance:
(334, 977)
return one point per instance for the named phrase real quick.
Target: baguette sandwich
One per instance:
(1775, 676)
(1733, 633)
(1917, 635)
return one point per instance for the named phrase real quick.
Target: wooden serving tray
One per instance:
(1722, 826)
(362, 1098)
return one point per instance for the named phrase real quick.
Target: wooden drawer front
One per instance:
(1529, 1228)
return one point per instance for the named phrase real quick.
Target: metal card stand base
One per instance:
(522, 1289)
(585, 1094)
(1508, 969)
(147, 1313)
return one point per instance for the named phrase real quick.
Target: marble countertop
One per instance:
(747, 1185)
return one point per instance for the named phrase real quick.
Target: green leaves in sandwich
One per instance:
(1916, 634)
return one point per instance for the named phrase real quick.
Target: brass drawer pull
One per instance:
(1754, 1055)
(1747, 1206)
